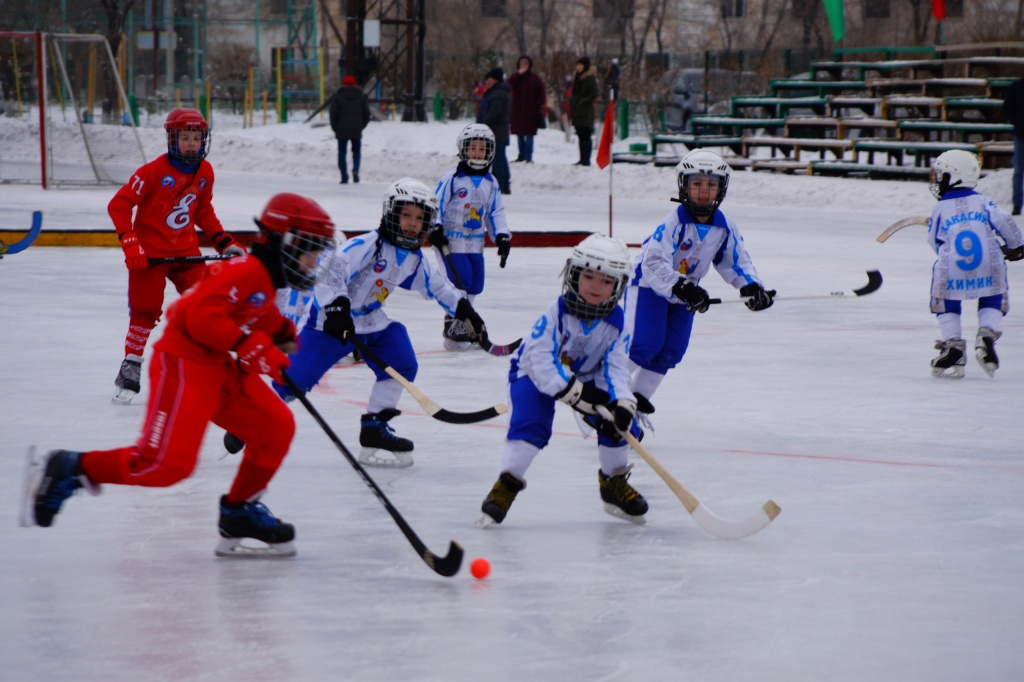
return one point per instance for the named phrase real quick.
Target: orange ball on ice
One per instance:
(480, 568)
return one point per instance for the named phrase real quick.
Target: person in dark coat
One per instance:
(350, 113)
(611, 79)
(1013, 112)
(529, 106)
(495, 113)
(581, 106)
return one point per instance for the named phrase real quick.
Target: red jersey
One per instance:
(171, 204)
(237, 296)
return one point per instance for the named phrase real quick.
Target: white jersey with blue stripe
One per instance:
(367, 276)
(963, 230)
(562, 346)
(681, 246)
(470, 207)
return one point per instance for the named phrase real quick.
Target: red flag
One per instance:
(939, 9)
(604, 148)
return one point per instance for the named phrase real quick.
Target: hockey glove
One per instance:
(695, 298)
(134, 255)
(622, 411)
(504, 243)
(437, 238)
(759, 298)
(338, 319)
(475, 326)
(1013, 254)
(257, 353)
(583, 396)
(226, 245)
(643, 404)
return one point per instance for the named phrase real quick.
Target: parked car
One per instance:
(696, 91)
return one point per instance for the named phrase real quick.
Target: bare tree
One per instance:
(228, 67)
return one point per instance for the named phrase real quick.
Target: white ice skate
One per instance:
(985, 350)
(952, 359)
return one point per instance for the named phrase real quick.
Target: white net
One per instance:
(77, 132)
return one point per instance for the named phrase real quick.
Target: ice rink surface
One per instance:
(899, 553)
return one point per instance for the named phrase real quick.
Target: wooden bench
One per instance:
(995, 154)
(870, 171)
(791, 147)
(948, 87)
(776, 107)
(988, 108)
(911, 106)
(837, 104)
(696, 141)
(923, 152)
(940, 131)
(735, 125)
(881, 87)
(987, 66)
(818, 88)
(887, 69)
(839, 126)
(781, 166)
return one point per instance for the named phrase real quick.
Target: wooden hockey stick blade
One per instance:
(899, 225)
(717, 526)
(189, 259)
(428, 405)
(26, 241)
(447, 565)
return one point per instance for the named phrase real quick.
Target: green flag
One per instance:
(834, 10)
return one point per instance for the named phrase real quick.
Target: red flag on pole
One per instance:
(939, 9)
(604, 148)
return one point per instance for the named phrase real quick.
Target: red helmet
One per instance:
(187, 119)
(298, 225)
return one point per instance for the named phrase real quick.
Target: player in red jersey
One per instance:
(221, 335)
(172, 196)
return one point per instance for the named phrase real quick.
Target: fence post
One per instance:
(623, 119)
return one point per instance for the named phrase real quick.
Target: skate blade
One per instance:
(237, 548)
(34, 469)
(618, 513)
(123, 396)
(457, 346)
(956, 372)
(485, 520)
(370, 458)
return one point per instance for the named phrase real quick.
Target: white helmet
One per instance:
(400, 193)
(600, 254)
(476, 131)
(697, 163)
(955, 169)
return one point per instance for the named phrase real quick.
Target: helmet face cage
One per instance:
(702, 163)
(298, 226)
(295, 244)
(601, 255)
(955, 169)
(472, 132)
(401, 194)
(191, 120)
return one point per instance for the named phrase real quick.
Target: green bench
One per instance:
(818, 88)
(884, 68)
(886, 52)
(696, 141)
(734, 124)
(923, 152)
(776, 107)
(872, 172)
(791, 147)
(988, 107)
(931, 129)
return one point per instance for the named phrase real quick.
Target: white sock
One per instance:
(949, 326)
(613, 459)
(517, 456)
(990, 317)
(646, 382)
(384, 394)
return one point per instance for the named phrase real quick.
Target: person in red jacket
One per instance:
(221, 336)
(172, 195)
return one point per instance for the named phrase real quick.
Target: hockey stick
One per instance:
(189, 259)
(873, 285)
(899, 225)
(26, 241)
(447, 565)
(485, 343)
(428, 405)
(728, 530)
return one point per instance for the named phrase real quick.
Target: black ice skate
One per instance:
(456, 338)
(128, 380)
(253, 521)
(376, 435)
(985, 350)
(498, 501)
(49, 482)
(620, 499)
(952, 359)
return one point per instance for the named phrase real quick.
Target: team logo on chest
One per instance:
(167, 182)
(380, 266)
(462, 192)
(202, 184)
(257, 300)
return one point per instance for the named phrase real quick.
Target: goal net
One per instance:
(63, 112)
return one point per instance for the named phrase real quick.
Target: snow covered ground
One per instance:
(898, 554)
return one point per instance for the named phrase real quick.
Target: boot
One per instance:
(376, 434)
(252, 520)
(985, 350)
(620, 499)
(62, 477)
(128, 381)
(951, 360)
(498, 501)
